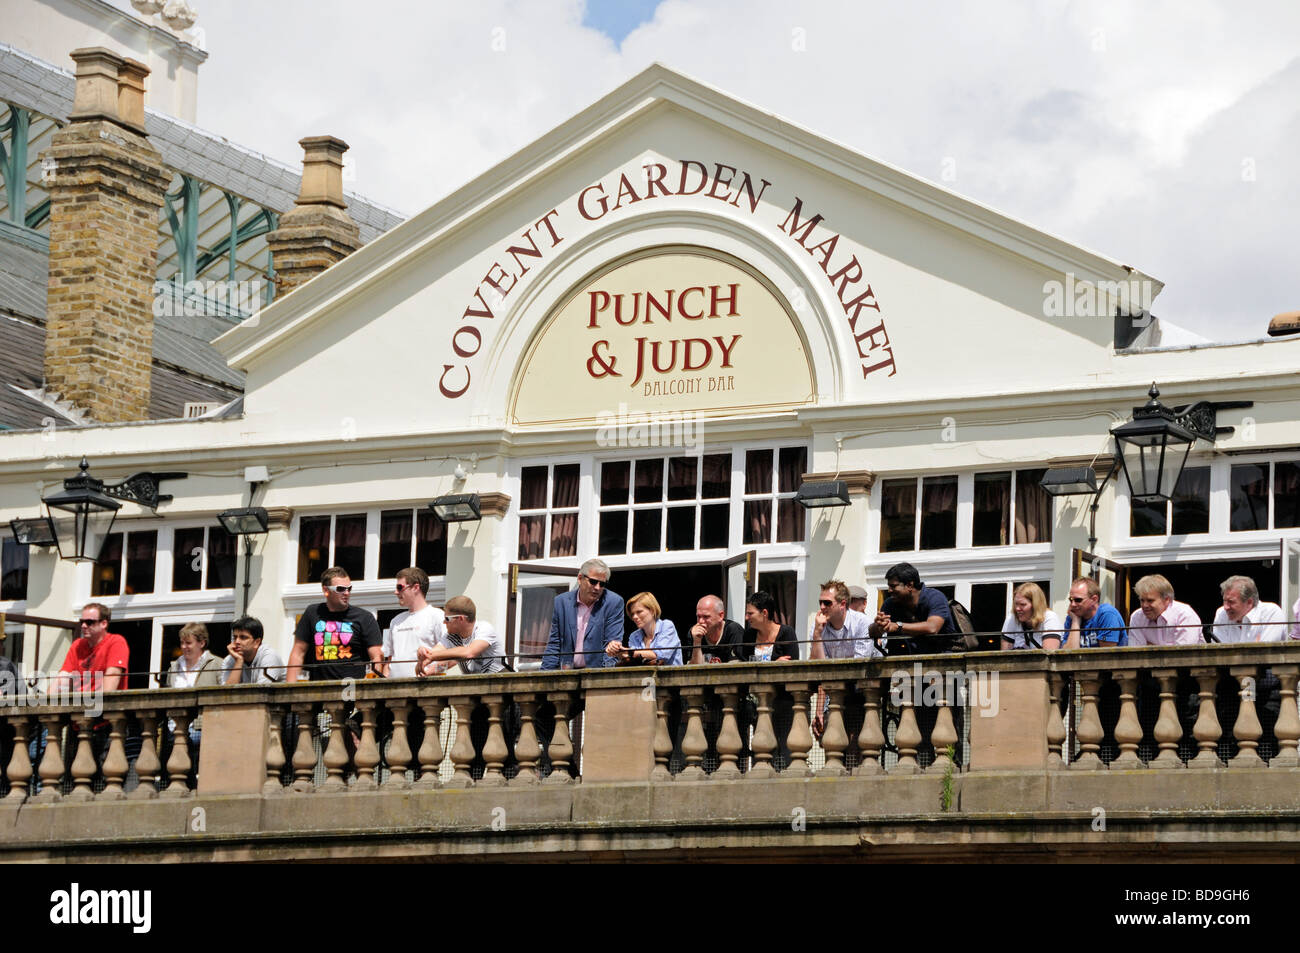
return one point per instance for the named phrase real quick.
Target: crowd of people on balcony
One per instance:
(335, 639)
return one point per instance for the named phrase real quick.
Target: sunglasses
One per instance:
(1075, 600)
(89, 621)
(339, 588)
(599, 583)
(400, 588)
(825, 603)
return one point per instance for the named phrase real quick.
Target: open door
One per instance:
(1290, 588)
(740, 576)
(531, 591)
(1112, 577)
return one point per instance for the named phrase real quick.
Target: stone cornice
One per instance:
(859, 481)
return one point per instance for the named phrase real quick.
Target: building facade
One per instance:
(635, 339)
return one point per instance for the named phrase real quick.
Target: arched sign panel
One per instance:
(668, 332)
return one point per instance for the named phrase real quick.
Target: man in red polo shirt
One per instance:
(98, 656)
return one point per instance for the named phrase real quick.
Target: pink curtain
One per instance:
(1033, 508)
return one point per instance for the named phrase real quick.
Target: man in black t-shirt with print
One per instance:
(335, 639)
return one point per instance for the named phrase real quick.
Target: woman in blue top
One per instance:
(654, 641)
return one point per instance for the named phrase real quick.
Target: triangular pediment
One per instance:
(894, 287)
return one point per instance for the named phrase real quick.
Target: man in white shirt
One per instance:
(838, 631)
(1243, 618)
(465, 640)
(419, 626)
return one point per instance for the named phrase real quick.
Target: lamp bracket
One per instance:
(1198, 419)
(142, 488)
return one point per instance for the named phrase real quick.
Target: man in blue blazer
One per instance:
(594, 609)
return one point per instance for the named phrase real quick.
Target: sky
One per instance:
(1165, 135)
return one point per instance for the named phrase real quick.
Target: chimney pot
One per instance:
(130, 94)
(96, 95)
(322, 171)
(1288, 322)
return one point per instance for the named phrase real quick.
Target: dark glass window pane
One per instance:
(1148, 519)
(713, 526)
(313, 547)
(1286, 495)
(758, 521)
(1248, 495)
(794, 463)
(187, 559)
(532, 488)
(988, 606)
(430, 543)
(789, 521)
(897, 516)
(613, 483)
(532, 537)
(758, 471)
(613, 533)
(394, 542)
(681, 478)
(564, 534)
(14, 562)
(1034, 508)
(649, 482)
(992, 517)
(681, 527)
(645, 531)
(350, 545)
(564, 490)
(715, 480)
(948, 591)
(939, 512)
(222, 548)
(141, 552)
(1191, 502)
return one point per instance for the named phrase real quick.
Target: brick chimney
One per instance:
(106, 192)
(317, 231)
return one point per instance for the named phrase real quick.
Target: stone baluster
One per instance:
(431, 748)
(763, 744)
(663, 745)
(907, 736)
(272, 786)
(494, 747)
(178, 762)
(1247, 729)
(147, 766)
(1207, 728)
(399, 748)
(115, 763)
(943, 734)
(834, 738)
(1055, 724)
(694, 744)
(51, 766)
(729, 744)
(304, 757)
(1168, 730)
(870, 739)
(560, 750)
(83, 765)
(335, 754)
(462, 749)
(367, 756)
(1089, 729)
(19, 771)
(800, 740)
(1287, 728)
(527, 750)
(1128, 730)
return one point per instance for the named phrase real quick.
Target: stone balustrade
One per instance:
(994, 743)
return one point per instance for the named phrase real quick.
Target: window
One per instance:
(990, 603)
(203, 557)
(411, 538)
(1008, 506)
(1252, 486)
(771, 479)
(325, 541)
(125, 557)
(1187, 512)
(548, 511)
(13, 570)
(665, 504)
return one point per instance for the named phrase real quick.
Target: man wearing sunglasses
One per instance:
(99, 658)
(335, 639)
(1092, 623)
(465, 640)
(416, 628)
(585, 620)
